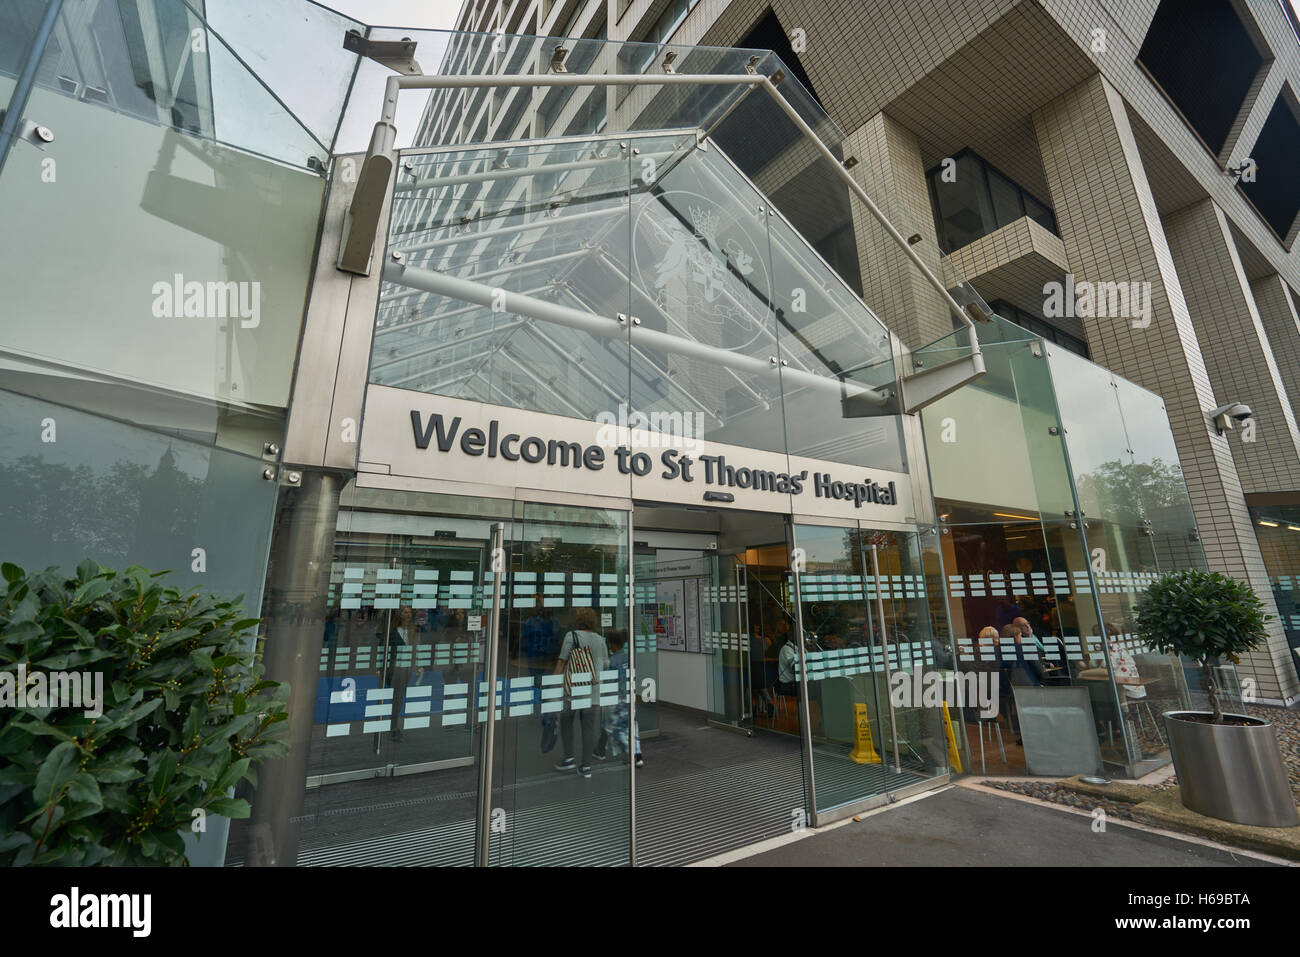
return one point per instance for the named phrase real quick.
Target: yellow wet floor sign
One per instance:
(864, 751)
(954, 758)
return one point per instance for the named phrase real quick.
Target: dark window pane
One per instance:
(1203, 58)
(1039, 213)
(1006, 199)
(1276, 189)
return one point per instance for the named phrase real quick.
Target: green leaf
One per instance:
(231, 775)
(14, 839)
(230, 807)
(57, 770)
(92, 590)
(11, 572)
(23, 632)
(163, 773)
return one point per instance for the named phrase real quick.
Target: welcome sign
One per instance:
(426, 436)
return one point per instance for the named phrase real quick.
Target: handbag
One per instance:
(580, 668)
(550, 731)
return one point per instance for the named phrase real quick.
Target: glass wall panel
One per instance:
(403, 587)
(1100, 454)
(513, 278)
(1157, 477)
(1013, 547)
(999, 582)
(189, 275)
(897, 591)
(837, 364)
(402, 647)
(943, 643)
(1139, 522)
(701, 282)
(1124, 564)
(1003, 421)
(296, 48)
(848, 688)
(19, 22)
(1277, 527)
(644, 638)
(572, 804)
(75, 486)
(1041, 424)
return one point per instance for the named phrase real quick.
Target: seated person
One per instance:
(1052, 662)
(985, 660)
(786, 682)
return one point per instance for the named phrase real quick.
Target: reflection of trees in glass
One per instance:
(124, 512)
(1126, 491)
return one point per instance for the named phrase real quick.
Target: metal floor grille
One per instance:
(691, 817)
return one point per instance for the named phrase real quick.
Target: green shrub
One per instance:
(185, 717)
(1201, 615)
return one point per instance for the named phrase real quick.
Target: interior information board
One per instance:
(669, 629)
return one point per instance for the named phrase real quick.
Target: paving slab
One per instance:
(963, 827)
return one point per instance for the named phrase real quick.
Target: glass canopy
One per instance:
(646, 272)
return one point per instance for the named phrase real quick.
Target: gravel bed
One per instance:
(1055, 794)
(1286, 722)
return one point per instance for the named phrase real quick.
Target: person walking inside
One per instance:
(590, 657)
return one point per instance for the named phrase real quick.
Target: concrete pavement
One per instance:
(962, 826)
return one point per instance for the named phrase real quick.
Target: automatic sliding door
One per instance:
(403, 691)
(567, 583)
(896, 589)
(867, 640)
(403, 645)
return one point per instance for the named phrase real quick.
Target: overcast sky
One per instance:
(428, 14)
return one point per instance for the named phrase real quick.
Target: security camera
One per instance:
(1224, 415)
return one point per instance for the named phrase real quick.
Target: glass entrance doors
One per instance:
(402, 698)
(712, 589)
(869, 653)
(755, 668)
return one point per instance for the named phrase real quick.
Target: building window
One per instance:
(638, 56)
(1277, 528)
(1039, 327)
(1276, 197)
(1203, 58)
(972, 199)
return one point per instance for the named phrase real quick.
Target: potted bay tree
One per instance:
(1228, 765)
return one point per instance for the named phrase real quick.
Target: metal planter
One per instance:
(1233, 773)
